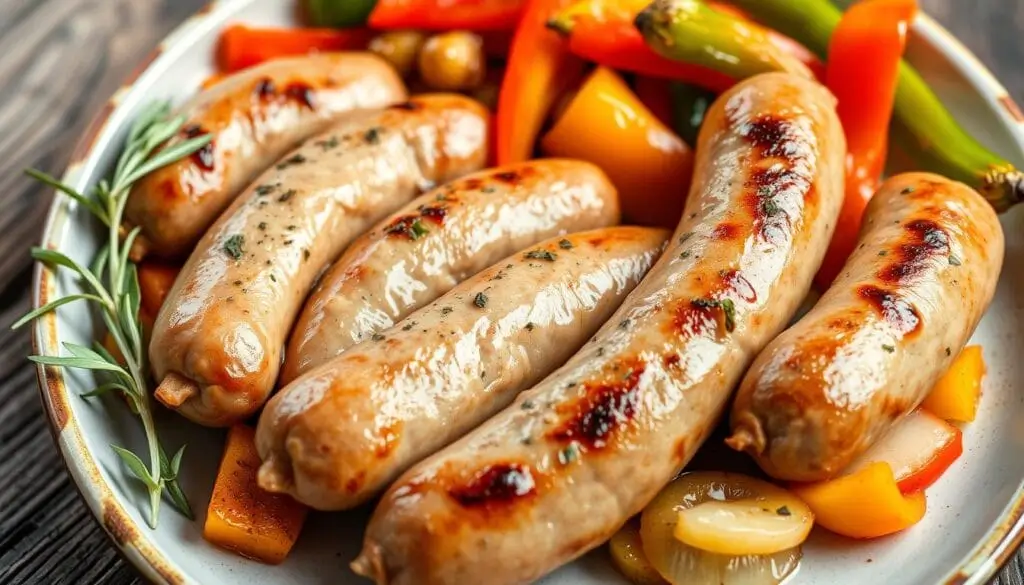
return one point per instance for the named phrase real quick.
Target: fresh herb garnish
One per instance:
(114, 288)
(569, 454)
(286, 195)
(565, 244)
(541, 255)
(888, 348)
(328, 143)
(377, 337)
(480, 300)
(529, 326)
(295, 159)
(954, 260)
(446, 310)
(907, 190)
(416, 230)
(265, 189)
(783, 511)
(233, 246)
(726, 305)
(372, 136)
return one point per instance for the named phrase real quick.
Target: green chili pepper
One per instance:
(689, 105)
(692, 31)
(338, 13)
(921, 123)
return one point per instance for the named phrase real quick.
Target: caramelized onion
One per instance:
(683, 564)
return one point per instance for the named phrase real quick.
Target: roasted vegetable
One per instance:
(955, 396)
(476, 15)
(244, 518)
(453, 61)
(337, 13)
(692, 32)
(865, 504)
(922, 123)
(607, 125)
(401, 48)
(689, 105)
(602, 31)
(863, 64)
(539, 69)
(243, 46)
(734, 514)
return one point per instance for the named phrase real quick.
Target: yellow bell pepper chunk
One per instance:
(865, 504)
(607, 124)
(955, 396)
(242, 517)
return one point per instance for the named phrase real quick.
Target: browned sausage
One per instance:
(428, 380)
(870, 350)
(255, 117)
(557, 472)
(218, 339)
(423, 250)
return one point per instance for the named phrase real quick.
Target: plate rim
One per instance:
(133, 541)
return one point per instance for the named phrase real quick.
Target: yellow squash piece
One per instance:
(244, 518)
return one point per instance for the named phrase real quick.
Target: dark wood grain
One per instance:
(59, 60)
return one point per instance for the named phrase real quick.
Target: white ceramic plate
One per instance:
(975, 512)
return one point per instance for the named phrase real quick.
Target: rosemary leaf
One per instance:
(53, 305)
(135, 465)
(74, 362)
(82, 200)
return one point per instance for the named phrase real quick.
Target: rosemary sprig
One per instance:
(114, 289)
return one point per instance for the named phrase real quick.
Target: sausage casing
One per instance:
(557, 472)
(869, 351)
(255, 118)
(440, 239)
(218, 340)
(434, 376)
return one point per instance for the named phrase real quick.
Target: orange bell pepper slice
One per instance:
(242, 517)
(863, 67)
(606, 124)
(242, 46)
(865, 504)
(477, 15)
(539, 69)
(955, 396)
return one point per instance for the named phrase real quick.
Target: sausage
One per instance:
(217, 341)
(562, 468)
(255, 117)
(426, 381)
(439, 240)
(869, 351)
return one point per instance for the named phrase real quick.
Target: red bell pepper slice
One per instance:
(242, 46)
(477, 15)
(539, 68)
(863, 66)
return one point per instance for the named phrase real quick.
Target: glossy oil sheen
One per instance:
(943, 543)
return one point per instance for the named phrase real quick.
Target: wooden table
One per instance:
(59, 60)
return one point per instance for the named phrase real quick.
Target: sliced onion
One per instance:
(682, 564)
(629, 558)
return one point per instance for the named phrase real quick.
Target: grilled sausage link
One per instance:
(218, 339)
(440, 239)
(557, 472)
(869, 351)
(255, 117)
(431, 378)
